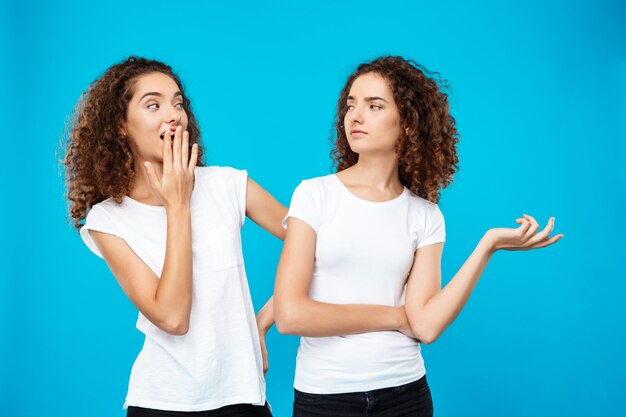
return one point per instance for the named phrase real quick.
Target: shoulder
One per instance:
(316, 193)
(318, 184)
(422, 205)
(101, 218)
(228, 176)
(218, 172)
(102, 209)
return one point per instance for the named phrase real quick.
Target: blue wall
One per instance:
(539, 94)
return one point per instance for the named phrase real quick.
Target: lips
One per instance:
(171, 132)
(357, 132)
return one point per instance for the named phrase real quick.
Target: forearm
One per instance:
(173, 294)
(429, 318)
(306, 317)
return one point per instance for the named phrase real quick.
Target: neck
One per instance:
(378, 171)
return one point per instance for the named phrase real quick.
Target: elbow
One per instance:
(179, 330)
(175, 327)
(286, 318)
(425, 334)
(427, 339)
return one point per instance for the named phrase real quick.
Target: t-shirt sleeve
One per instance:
(236, 182)
(98, 220)
(304, 206)
(435, 230)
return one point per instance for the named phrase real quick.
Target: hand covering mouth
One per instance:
(163, 134)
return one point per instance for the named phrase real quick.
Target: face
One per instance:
(156, 109)
(372, 121)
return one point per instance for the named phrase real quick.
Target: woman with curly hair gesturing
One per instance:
(169, 230)
(360, 273)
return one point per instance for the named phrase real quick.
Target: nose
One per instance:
(355, 115)
(173, 115)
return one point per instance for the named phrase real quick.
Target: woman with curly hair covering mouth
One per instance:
(168, 227)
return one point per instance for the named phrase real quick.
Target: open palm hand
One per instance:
(524, 237)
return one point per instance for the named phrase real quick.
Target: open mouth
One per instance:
(163, 135)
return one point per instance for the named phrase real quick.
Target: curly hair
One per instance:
(99, 162)
(426, 149)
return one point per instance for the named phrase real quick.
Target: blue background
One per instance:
(539, 95)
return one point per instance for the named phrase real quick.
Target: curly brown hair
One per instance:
(427, 154)
(99, 162)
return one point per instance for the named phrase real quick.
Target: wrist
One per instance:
(263, 324)
(179, 209)
(488, 244)
(401, 320)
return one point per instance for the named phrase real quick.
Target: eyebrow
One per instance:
(370, 98)
(155, 93)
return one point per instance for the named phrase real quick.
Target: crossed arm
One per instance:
(296, 313)
(429, 309)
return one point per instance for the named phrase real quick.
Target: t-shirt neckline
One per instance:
(360, 200)
(136, 203)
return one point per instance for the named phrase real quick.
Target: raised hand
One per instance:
(525, 237)
(174, 188)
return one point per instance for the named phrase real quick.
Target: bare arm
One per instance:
(264, 321)
(298, 314)
(265, 210)
(431, 309)
(166, 302)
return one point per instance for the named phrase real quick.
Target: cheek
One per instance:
(143, 123)
(391, 129)
(393, 124)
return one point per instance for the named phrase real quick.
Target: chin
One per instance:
(365, 149)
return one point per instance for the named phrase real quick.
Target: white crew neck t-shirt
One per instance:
(364, 252)
(218, 362)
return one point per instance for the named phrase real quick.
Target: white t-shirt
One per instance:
(363, 255)
(218, 362)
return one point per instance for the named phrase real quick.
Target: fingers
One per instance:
(534, 226)
(523, 229)
(543, 235)
(176, 148)
(167, 153)
(193, 159)
(185, 149)
(525, 236)
(547, 242)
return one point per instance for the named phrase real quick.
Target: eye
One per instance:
(349, 107)
(180, 106)
(153, 106)
(375, 107)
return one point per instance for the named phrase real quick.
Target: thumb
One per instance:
(152, 177)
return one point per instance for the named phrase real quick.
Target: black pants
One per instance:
(410, 400)
(236, 410)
